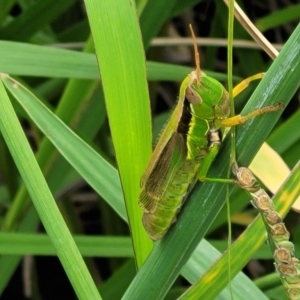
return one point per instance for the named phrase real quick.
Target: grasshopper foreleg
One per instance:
(239, 119)
(245, 83)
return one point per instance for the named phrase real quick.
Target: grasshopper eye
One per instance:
(192, 96)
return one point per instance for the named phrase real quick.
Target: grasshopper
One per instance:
(187, 146)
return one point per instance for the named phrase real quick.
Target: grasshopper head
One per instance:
(207, 95)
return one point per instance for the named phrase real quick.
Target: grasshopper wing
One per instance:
(161, 170)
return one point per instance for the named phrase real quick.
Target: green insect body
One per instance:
(188, 145)
(184, 152)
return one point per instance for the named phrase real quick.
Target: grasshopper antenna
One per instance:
(197, 56)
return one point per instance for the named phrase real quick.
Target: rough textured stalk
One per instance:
(287, 265)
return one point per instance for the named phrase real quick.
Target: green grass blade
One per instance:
(20, 59)
(44, 203)
(121, 60)
(89, 246)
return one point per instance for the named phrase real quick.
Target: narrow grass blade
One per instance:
(121, 59)
(45, 205)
